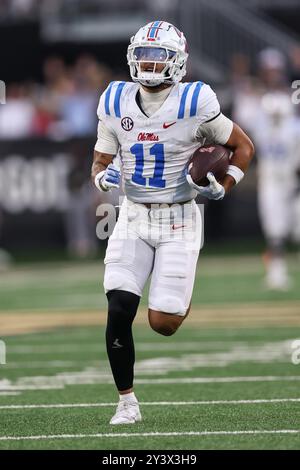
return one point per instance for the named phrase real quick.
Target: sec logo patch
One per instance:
(127, 123)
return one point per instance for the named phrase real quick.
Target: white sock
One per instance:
(128, 396)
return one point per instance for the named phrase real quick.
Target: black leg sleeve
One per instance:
(122, 308)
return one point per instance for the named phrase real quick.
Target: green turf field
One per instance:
(228, 385)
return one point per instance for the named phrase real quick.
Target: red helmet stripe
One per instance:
(149, 30)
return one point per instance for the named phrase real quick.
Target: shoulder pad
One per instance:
(195, 98)
(110, 103)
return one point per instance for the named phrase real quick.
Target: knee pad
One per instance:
(169, 304)
(113, 281)
(122, 280)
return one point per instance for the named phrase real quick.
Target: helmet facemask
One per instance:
(160, 61)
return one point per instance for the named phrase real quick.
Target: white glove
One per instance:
(108, 179)
(213, 191)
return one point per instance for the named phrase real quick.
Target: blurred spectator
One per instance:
(78, 108)
(245, 91)
(271, 75)
(71, 96)
(64, 106)
(79, 217)
(295, 63)
(48, 97)
(240, 71)
(17, 115)
(272, 69)
(277, 138)
(263, 106)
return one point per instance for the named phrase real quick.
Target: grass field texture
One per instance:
(225, 380)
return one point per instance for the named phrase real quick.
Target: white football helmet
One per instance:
(158, 42)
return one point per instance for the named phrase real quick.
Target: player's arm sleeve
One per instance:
(216, 131)
(107, 140)
(212, 126)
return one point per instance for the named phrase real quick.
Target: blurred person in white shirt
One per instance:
(271, 74)
(16, 116)
(277, 137)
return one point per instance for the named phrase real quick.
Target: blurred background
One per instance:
(57, 56)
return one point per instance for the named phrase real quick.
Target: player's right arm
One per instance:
(104, 173)
(100, 162)
(216, 128)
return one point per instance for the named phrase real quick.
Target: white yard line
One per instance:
(30, 387)
(4, 394)
(145, 346)
(209, 380)
(155, 370)
(48, 364)
(71, 379)
(151, 434)
(152, 403)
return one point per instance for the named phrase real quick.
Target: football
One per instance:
(214, 158)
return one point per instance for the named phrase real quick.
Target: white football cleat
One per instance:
(128, 412)
(277, 276)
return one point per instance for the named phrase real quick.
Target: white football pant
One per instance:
(163, 242)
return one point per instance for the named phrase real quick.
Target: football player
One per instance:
(276, 135)
(155, 123)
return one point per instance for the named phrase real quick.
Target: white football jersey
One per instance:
(277, 146)
(154, 150)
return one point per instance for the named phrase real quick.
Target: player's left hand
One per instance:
(213, 191)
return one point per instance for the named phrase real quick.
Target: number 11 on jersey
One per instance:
(156, 181)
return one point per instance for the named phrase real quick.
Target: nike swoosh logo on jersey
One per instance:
(166, 125)
(175, 227)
